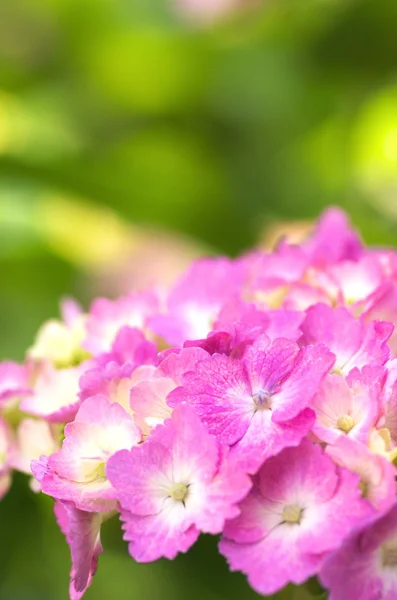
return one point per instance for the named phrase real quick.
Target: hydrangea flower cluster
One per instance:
(255, 400)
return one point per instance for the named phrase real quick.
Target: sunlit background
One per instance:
(138, 134)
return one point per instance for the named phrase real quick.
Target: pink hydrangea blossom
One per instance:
(34, 438)
(377, 475)
(55, 393)
(349, 407)
(195, 301)
(113, 374)
(148, 398)
(357, 281)
(354, 342)
(176, 484)
(239, 324)
(77, 472)
(14, 381)
(60, 341)
(255, 398)
(364, 566)
(333, 240)
(260, 404)
(299, 510)
(106, 318)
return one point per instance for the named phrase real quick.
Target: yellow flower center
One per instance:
(389, 555)
(179, 491)
(292, 513)
(345, 423)
(364, 487)
(100, 470)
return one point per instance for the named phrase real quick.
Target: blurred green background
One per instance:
(133, 138)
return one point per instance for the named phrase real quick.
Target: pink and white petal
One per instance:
(229, 486)
(287, 564)
(14, 381)
(131, 346)
(82, 532)
(326, 524)
(220, 392)
(106, 318)
(265, 438)
(356, 569)
(237, 310)
(268, 365)
(333, 239)
(358, 279)
(176, 364)
(195, 453)
(55, 396)
(300, 296)
(141, 477)
(374, 349)
(302, 475)
(332, 401)
(285, 324)
(336, 328)
(311, 366)
(147, 401)
(258, 517)
(160, 535)
(34, 438)
(375, 471)
(174, 328)
(348, 574)
(96, 496)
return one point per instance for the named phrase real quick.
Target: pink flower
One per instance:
(349, 407)
(260, 404)
(333, 240)
(377, 474)
(130, 346)
(14, 381)
(114, 373)
(354, 342)
(357, 280)
(82, 532)
(60, 341)
(195, 301)
(240, 323)
(270, 276)
(34, 438)
(364, 566)
(77, 471)
(176, 484)
(55, 394)
(302, 507)
(148, 397)
(106, 318)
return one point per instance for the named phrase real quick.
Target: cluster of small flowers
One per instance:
(256, 399)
